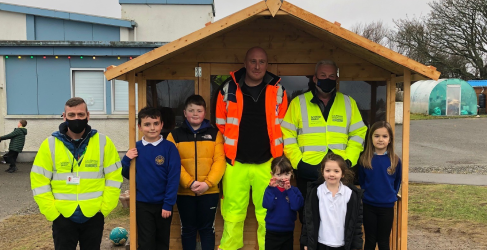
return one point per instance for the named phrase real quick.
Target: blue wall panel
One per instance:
(31, 32)
(105, 33)
(48, 29)
(78, 31)
(53, 83)
(42, 86)
(21, 86)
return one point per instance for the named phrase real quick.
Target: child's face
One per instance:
(195, 114)
(380, 139)
(332, 172)
(19, 125)
(281, 178)
(151, 128)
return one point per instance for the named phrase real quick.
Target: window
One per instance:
(120, 97)
(89, 84)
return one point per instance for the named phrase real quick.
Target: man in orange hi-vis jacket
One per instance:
(249, 110)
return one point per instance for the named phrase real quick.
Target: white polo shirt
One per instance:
(333, 211)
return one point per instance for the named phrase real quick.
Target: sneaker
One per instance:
(3, 162)
(12, 170)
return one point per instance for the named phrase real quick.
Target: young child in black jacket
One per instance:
(333, 209)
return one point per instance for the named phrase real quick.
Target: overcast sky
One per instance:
(346, 12)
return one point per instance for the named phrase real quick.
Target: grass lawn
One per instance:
(431, 117)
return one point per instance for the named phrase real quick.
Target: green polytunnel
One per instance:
(443, 97)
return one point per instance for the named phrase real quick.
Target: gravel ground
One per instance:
(454, 146)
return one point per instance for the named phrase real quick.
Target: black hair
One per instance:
(196, 100)
(283, 164)
(151, 112)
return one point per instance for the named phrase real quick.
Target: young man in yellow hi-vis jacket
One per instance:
(76, 179)
(319, 121)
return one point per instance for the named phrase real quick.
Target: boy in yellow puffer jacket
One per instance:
(202, 166)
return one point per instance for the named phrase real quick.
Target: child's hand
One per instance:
(199, 187)
(132, 153)
(165, 214)
(273, 182)
(287, 184)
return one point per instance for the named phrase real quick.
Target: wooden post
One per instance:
(392, 102)
(405, 161)
(204, 86)
(141, 95)
(133, 222)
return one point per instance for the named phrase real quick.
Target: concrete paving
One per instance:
(455, 179)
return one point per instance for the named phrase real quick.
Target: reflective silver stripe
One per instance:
(220, 121)
(112, 167)
(41, 171)
(232, 120)
(357, 125)
(348, 110)
(41, 190)
(304, 110)
(115, 184)
(356, 138)
(82, 175)
(338, 146)
(280, 94)
(288, 125)
(278, 121)
(52, 148)
(79, 197)
(290, 141)
(103, 142)
(278, 141)
(229, 141)
(337, 129)
(313, 148)
(311, 130)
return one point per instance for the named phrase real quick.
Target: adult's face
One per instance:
(256, 64)
(325, 71)
(76, 113)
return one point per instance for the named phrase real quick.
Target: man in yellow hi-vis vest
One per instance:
(76, 179)
(319, 121)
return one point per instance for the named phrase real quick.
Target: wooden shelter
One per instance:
(294, 40)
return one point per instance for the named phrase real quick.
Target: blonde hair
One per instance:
(366, 158)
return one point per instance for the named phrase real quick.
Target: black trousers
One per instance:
(377, 226)
(153, 230)
(302, 185)
(325, 247)
(279, 240)
(11, 158)
(66, 233)
(197, 214)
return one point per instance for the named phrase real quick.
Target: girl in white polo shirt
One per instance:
(333, 209)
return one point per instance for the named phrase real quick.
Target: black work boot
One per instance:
(12, 170)
(8, 169)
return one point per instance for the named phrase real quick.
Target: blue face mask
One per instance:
(326, 85)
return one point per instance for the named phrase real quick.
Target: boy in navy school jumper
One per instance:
(158, 167)
(282, 202)
(380, 181)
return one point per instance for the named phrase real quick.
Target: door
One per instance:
(453, 99)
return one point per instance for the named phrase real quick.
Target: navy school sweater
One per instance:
(158, 172)
(380, 188)
(281, 208)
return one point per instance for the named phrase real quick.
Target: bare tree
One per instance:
(374, 31)
(453, 38)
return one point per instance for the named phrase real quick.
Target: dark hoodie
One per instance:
(77, 149)
(17, 139)
(311, 217)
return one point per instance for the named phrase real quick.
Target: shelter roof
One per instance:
(478, 83)
(67, 15)
(322, 29)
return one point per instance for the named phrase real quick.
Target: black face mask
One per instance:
(326, 85)
(77, 126)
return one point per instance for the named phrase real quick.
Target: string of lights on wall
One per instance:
(57, 57)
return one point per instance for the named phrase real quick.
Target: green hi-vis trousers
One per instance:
(237, 183)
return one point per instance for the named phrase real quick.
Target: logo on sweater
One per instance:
(287, 198)
(160, 160)
(337, 118)
(208, 137)
(390, 171)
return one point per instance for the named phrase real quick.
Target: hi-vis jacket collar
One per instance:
(269, 78)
